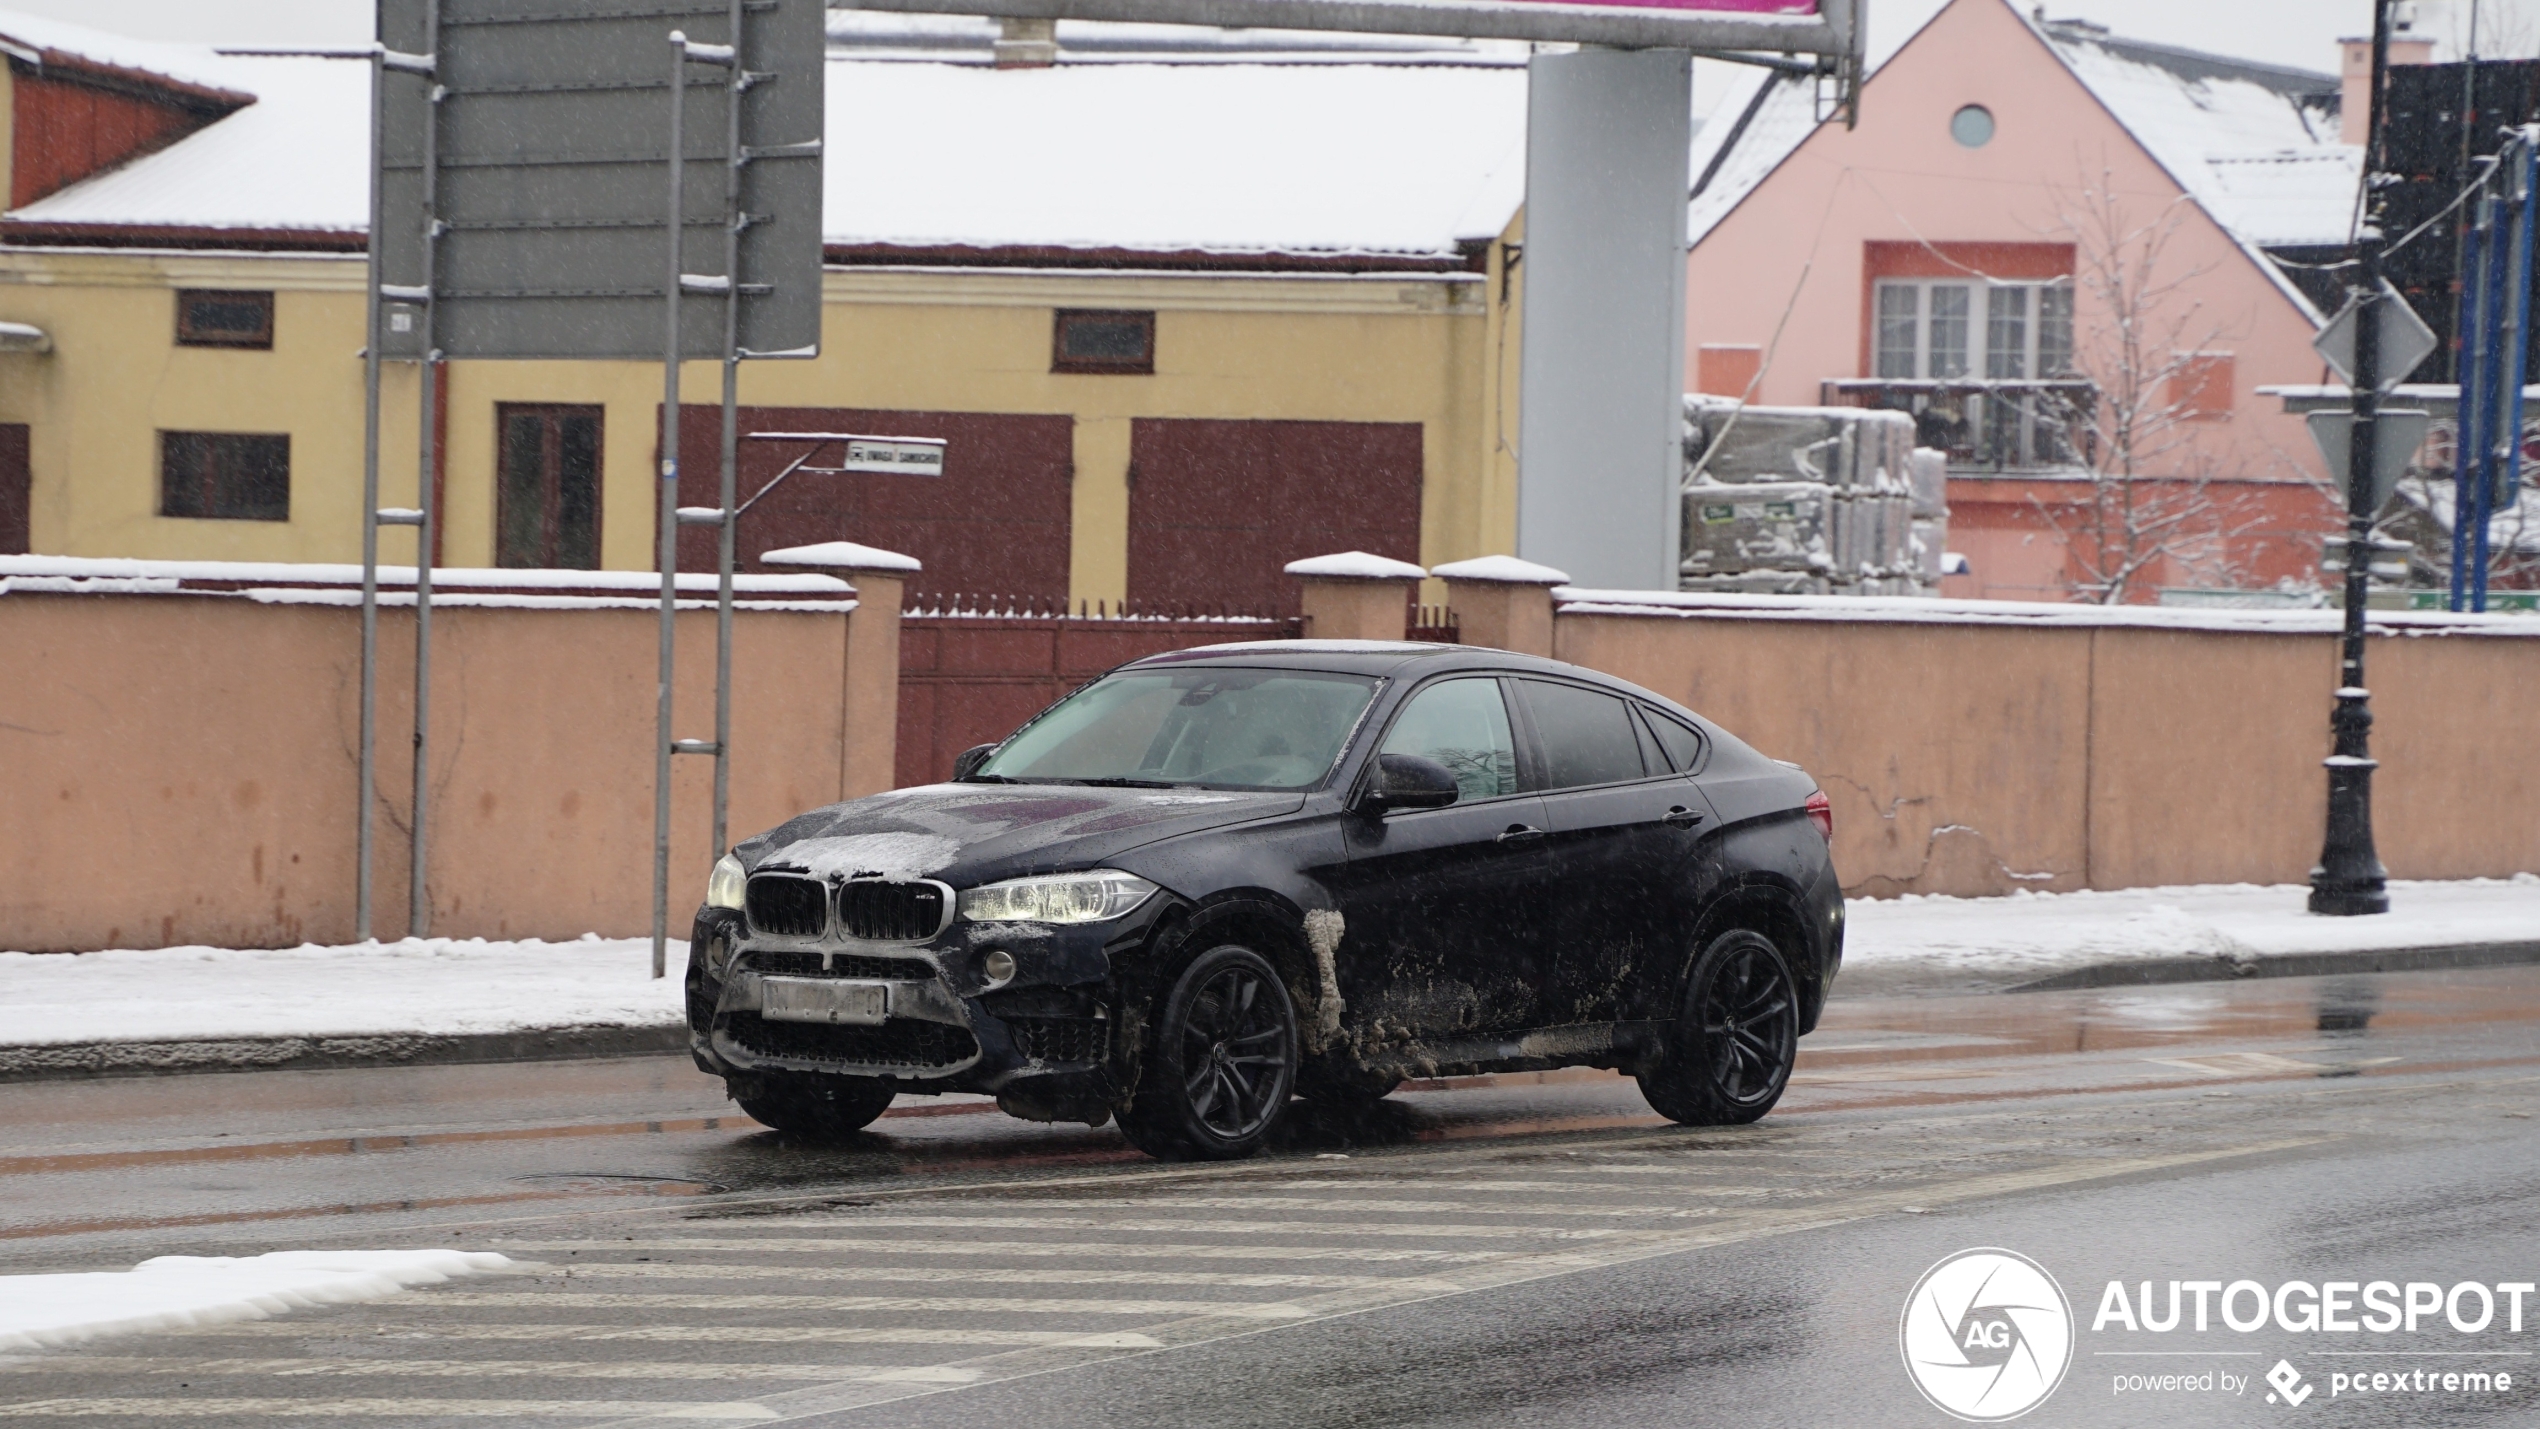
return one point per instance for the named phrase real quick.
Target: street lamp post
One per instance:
(2349, 879)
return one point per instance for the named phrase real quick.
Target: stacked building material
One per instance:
(1809, 500)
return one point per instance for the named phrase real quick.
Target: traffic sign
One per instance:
(2397, 433)
(2405, 340)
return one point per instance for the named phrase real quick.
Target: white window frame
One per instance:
(1979, 322)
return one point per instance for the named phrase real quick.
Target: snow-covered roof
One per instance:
(2255, 145)
(840, 556)
(36, 40)
(1247, 158)
(298, 159)
(1405, 161)
(1501, 570)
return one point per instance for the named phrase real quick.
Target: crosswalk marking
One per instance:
(701, 1334)
(1092, 1250)
(1373, 1205)
(1436, 1231)
(833, 1304)
(958, 1274)
(729, 1412)
(347, 1367)
(1702, 1188)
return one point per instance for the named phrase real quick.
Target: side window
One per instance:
(1462, 724)
(1682, 745)
(1587, 736)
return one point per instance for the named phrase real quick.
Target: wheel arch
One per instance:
(1766, 906)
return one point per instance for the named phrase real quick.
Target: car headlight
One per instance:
(1056, 898)
(726, 886)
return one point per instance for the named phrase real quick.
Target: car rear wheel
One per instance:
(825, 1109)
(1728, 1056)
(1220, 1060)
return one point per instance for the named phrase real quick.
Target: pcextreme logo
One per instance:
(1987, 1335)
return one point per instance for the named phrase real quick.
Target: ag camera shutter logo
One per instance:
(1987, 1335)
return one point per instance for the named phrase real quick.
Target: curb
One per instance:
(68, 1061)
(2365, 960)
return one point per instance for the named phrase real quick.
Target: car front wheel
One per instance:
(823, 1109)
(1220, 1061)
(1728, 1057)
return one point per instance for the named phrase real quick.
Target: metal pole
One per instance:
(418, 894)
(669, 504)
(726, 529)
(2469, 458)
(2349, 878)
(370, 518)
(2492, 378)
(2526, 178)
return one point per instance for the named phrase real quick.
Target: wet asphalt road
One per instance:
(1538, 1252)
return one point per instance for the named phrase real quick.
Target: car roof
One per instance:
(1406, 659)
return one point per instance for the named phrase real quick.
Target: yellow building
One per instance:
(1180, 323)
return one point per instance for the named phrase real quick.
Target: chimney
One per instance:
(1026, 44)
(2354, 104)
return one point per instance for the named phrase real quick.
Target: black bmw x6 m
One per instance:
(1218, 879)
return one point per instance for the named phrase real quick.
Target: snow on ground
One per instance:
(2049, 932)
(425, 985)
(449, 986)
(173, 1292)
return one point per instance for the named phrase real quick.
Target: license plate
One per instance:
(821, 999)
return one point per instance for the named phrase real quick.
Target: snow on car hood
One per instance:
(965, 834)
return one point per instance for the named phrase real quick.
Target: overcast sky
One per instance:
(2290, 32)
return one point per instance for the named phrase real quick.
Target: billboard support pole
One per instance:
(734, 220)
(369, 778)
(427, 460)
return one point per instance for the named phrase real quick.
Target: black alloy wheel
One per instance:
(816, 1108)
(1220, 1061)
(1727, 1060)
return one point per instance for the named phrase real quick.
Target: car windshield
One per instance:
(1209, 727)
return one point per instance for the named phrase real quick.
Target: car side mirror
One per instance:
(1408, 781)
(968, 761)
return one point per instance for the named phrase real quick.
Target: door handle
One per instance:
(1518, 833)
(1682, 817)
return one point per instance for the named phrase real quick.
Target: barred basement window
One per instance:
(232, 476)
(1094, 340)
(207, 317)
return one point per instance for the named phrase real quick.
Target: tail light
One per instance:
(1821, 813)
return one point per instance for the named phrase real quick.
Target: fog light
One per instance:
(997, 967)
(718, 956)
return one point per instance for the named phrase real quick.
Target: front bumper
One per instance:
(945, 1030)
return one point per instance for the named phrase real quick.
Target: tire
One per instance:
(1728, 1057)
(1220, 1060)
(825, 1109)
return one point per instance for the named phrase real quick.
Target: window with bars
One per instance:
(231, 476)
(1949, 330)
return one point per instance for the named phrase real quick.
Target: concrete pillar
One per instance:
(1502, 602)
(1356, 596)
(869, 691)
(1599, 450)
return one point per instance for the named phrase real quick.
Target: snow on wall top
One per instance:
(840, 555)
(444, 578)
(1925, 610)
(1505, 570)
(194, 65)
(1355, 565)
(1242, 158)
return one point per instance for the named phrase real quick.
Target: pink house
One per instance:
(2076, 258)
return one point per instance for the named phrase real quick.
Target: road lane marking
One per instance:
(795, 1245)
(1442, 1231)
(1378, 1205)
(832, 1304)
(682, 1334)
(960, 1274)
(342, 1367)
(722, 1411)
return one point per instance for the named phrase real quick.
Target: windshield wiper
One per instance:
(1113, 781)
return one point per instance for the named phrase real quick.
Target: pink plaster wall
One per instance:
(1900, 177)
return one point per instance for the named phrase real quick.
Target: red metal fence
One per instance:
(974, 667)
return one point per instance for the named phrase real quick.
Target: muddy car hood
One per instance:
(968, 834)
